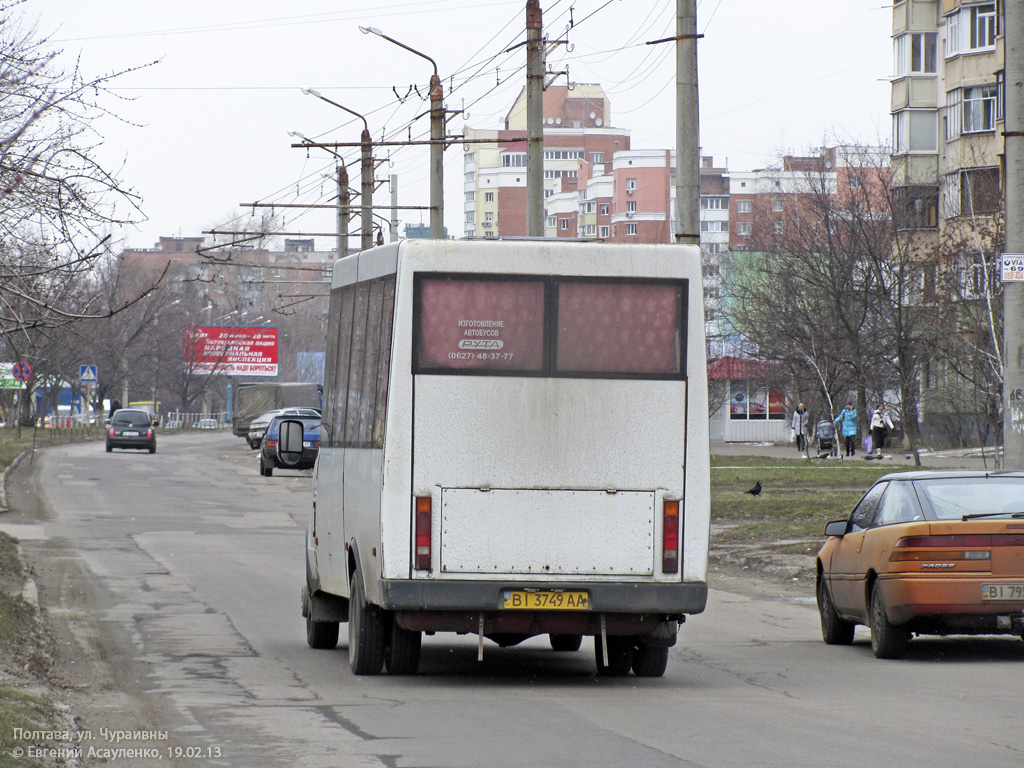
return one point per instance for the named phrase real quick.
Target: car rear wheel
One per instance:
(365, 631)
(835, 630)
(110, 448)
(887, 641)
(565, 642)
(620, 656)
(152, 449)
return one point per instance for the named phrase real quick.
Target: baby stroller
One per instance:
(826, 437)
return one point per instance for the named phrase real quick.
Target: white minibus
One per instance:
(514, 443)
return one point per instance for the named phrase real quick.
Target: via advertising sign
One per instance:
(231, 350)
(1012, 267)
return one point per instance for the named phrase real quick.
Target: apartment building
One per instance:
(577, 131)
(947, 161)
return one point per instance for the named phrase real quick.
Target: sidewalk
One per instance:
(955, 458)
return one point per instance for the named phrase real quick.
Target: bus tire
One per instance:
(365, 631)
(322, 635)
(620, 656)
(402, 656)
(565, 642)
(649, 662)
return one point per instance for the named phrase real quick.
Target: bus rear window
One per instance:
(618, 328)
(549, 326)
(480, 325)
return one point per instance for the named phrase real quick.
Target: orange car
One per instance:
(926, 553)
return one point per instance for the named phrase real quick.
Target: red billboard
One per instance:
(231, 351)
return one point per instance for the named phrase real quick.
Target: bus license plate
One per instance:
(545, 600)
(1002, 592)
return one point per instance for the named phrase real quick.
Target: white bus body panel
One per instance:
(573, 470)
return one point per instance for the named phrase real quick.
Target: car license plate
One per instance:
(1002, 592)
(545, 600)
(130, 434)
(307, 444)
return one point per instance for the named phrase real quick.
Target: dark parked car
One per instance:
(271, 458)
(131, 428)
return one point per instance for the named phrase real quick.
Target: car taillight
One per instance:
(670, 537)
(421, 559)
(316, 444)
(110, 431)
(966, 546)
(270, 443)
(149, 432)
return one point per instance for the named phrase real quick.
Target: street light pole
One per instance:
(365, 172)
(436, 137)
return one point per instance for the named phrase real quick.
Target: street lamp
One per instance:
(366, 177)
(342, 244)
(436, 137)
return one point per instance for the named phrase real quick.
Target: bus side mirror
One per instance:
(289, 446)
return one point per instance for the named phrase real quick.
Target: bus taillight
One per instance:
(421, 560)
(670, 537)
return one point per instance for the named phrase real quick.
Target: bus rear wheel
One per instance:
(402, 656)
(365, 631)
(620, 656)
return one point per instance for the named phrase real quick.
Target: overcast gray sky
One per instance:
(206, 128)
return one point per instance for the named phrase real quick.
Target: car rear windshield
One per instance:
(550, 326)
(132, 419)
(952, 498)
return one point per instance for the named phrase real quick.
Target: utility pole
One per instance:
(535, 74)
(687, 126)
(436, 155)
(394, 208)
(366, 196)
(342, 210)
(1013, 291)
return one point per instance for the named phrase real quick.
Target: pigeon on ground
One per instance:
(755, 490)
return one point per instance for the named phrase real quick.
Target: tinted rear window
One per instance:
(132, 419)
(549, 326)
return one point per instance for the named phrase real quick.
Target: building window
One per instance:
(915, 130)
(744, 206)
(630, 185)
(513, 159)
(604, 210)
(914, 54)
(604, 231)
(563, 224)
(597, 157)
(550, 222)
(744, 228)
(631, 206)
(708, 203)
(489, 216)
(470, 217)
(631, 229)
(972, 29)
(979, 191)
(916, 207)
(562, 154)
(488, 197)
(777, 205)
(979, 108)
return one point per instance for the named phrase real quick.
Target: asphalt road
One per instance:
(170, 585)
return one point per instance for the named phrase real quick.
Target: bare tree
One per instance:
(56, 199)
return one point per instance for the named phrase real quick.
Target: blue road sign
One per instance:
(22, 371)
(88, 374)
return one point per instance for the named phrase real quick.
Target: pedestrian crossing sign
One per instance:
(88, 374)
